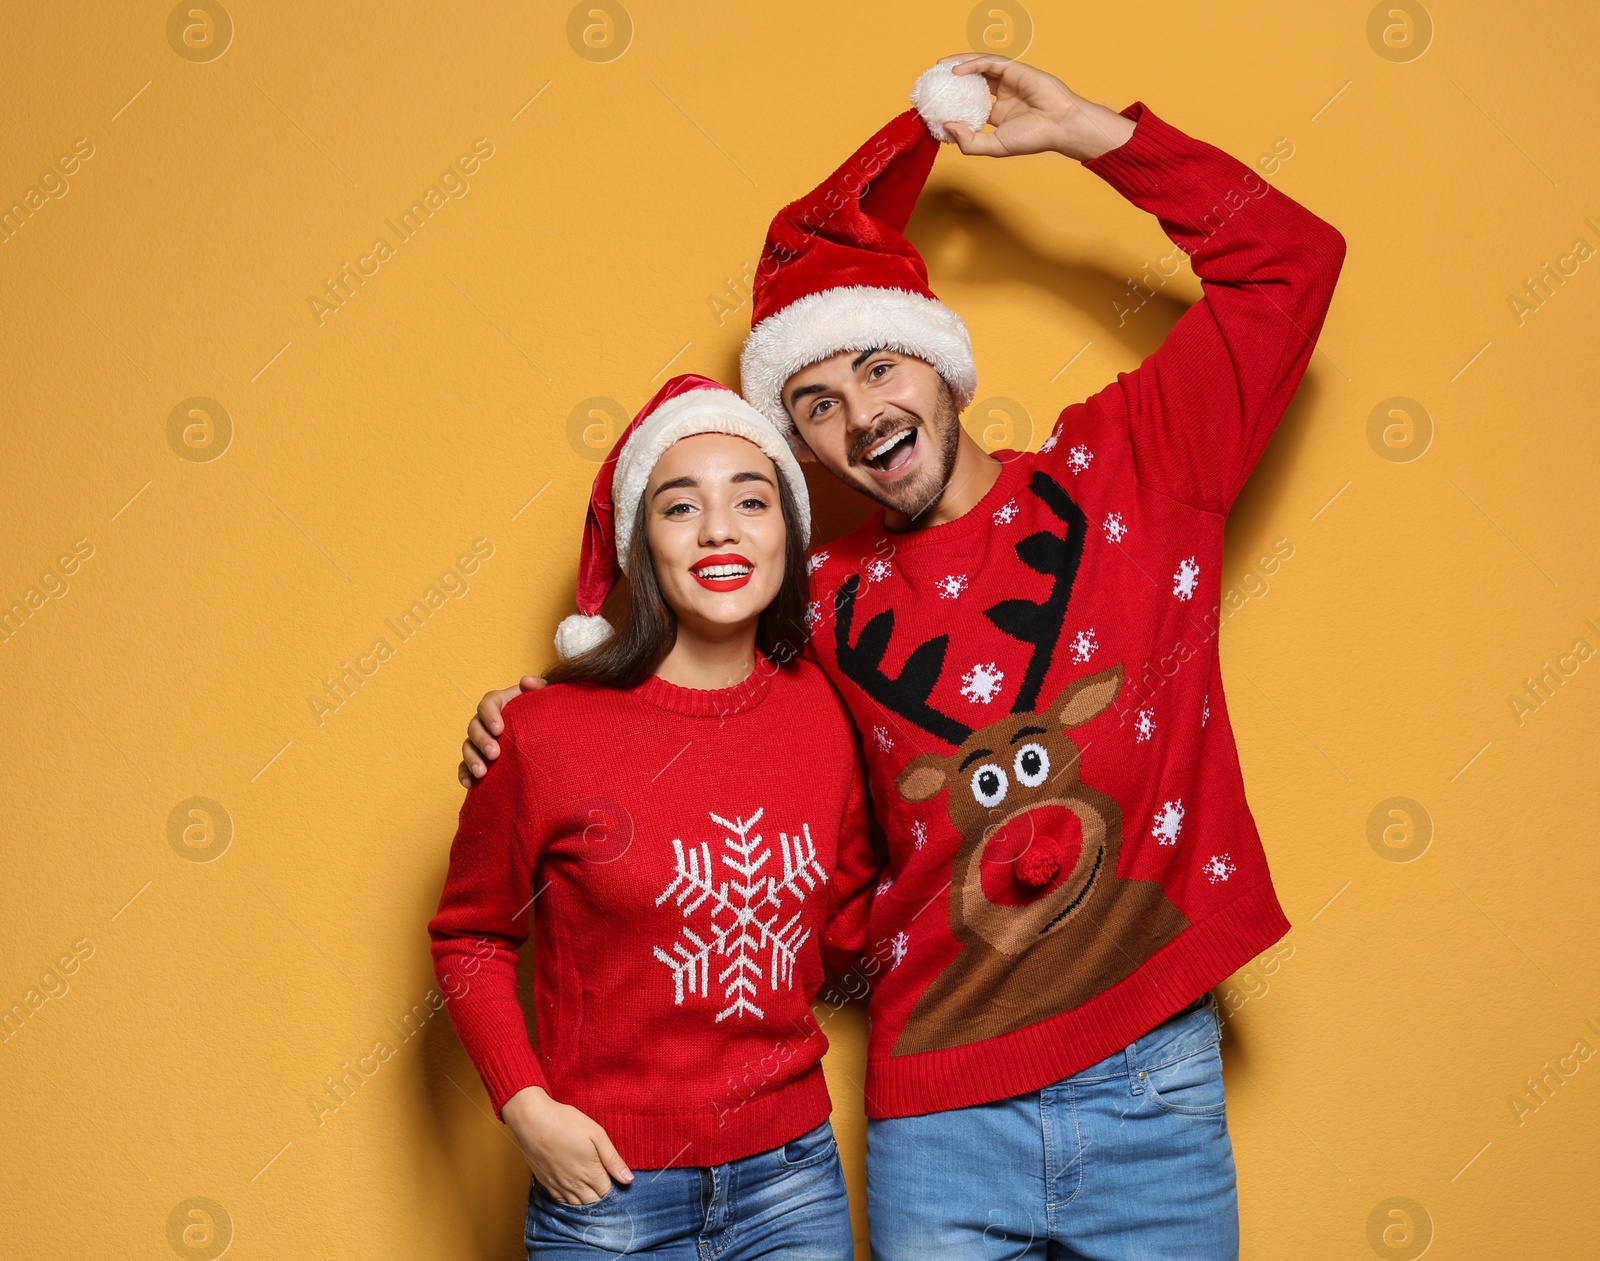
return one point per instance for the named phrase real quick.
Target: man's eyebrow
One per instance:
(677, 483)
(820, 389)
(973, 757)
(1029, 731)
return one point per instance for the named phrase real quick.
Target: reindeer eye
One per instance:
(1032, 765)
(989, 785)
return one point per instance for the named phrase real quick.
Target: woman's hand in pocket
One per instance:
(570, 1154)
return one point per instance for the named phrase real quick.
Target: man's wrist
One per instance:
(1093, 130)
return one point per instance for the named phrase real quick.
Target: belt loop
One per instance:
(1135, 1073)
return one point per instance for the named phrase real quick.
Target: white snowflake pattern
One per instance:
(897, 949)
(919, 833)
(882, 738)
(1006, 513)
(1205, 711)
(816, 561)
(1168, 823)
(1144, 725)
(1079, 458)
(877, 569)
(883, 885)
(1183, 581)
(951, 585)
(813, 614)
(1083, 644)
(1218, 867)
(982, 682)
(1116, 529)
(1049, 444)
(742, 914)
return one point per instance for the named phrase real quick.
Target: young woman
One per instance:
(683, 815)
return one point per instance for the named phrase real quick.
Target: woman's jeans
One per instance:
(785, 1203)
(1128, 1160)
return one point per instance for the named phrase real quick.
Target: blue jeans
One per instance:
(1128, 1160)
(785, 1203)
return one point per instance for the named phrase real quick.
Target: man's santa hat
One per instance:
(837, 272)
(684, 406)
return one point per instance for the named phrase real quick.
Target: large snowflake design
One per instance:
(1218, 867)
(739, 919)
(1083, 644)
(1116, 529)
(1079, 457)
(1183, 581)
(1006, 513)
(919, 833)
(1144, 725)
(877, 569)
(816, 561)
(882, 738)
(1168, 823)
(951, 585)
(982, 682)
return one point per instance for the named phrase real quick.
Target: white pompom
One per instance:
(577, 634)
(942, 96)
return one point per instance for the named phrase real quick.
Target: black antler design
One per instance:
(1036, 624)
(907, 693)
(1057, 558)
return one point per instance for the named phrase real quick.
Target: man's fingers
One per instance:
(533, 682)
(981, 143)
(464, 775)
(479, 738)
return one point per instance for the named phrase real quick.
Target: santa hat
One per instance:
(684, 406)
(837, 273)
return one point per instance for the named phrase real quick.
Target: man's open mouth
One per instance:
(722, 572)
(888, 457)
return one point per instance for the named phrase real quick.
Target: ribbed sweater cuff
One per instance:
(1143, 161)
(508, 1069)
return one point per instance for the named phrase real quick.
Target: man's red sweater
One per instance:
(1072, 858)
(687, 859)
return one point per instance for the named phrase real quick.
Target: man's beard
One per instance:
(918, 495)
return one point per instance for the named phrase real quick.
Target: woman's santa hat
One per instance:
(837, 272)
(684, 406)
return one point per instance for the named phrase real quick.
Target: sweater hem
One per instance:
(1201, 957)
(711, 1134)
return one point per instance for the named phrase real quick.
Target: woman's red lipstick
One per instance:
(725, 571)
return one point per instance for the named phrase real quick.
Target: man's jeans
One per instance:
(1128, 1160)
(788, 1202)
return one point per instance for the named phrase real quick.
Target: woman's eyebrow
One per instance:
(752, 477)
(677, 483)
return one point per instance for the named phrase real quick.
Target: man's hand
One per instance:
(569, 1153)
(480, 747)
(1034, 112)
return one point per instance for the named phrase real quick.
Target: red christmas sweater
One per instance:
(680, 853)
(1071, 855)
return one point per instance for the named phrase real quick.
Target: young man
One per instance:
(1028, 646)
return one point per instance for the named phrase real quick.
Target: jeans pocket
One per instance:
(546, 1197)
(810, 1148)
(1190, 1085)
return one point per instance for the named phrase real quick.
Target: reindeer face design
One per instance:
(1034, 840)
(1044, 919)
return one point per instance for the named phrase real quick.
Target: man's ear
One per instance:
(922, 778)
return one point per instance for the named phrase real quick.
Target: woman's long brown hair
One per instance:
(649, 627)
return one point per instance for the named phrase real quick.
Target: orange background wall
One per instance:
(215, 492)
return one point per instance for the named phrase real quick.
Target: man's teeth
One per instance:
(723, 571)
(888, 444)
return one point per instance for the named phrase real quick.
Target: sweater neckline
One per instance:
(974, 518)
(716, 702)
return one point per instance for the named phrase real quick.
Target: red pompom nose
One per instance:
(1039, 865)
